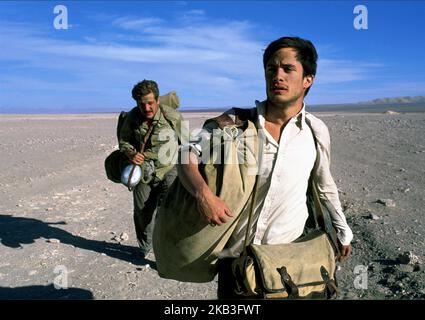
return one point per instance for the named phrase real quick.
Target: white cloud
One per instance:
(196, 12)
(337, 71)
(210, 48)
(135, 24)
(192, 17)
(209, 64)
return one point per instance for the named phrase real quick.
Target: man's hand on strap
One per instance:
(137, 158)
(212, 208)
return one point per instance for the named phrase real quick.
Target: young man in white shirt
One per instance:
(288, 157)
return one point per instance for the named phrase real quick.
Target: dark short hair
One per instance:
(143, 88)
(306, 53)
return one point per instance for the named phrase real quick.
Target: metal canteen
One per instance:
(131, 175)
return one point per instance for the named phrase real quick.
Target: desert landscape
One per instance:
(63, 223)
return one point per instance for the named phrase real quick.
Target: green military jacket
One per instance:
(161, 146)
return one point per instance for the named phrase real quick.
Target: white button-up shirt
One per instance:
(281, 206)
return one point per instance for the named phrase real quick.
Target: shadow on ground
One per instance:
(44, 293)
(16, 231)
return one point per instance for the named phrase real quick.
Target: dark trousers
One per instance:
(147, 198)
(226, 280)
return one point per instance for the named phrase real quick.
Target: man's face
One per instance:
(285, 83)
(148, 105)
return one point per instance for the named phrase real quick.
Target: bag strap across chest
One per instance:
(238, 117)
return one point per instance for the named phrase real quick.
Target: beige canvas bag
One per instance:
(304, 268)
(185, 245)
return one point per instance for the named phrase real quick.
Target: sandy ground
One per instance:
(61, 219)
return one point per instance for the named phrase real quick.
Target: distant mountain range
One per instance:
(395, 100)
(382, 105)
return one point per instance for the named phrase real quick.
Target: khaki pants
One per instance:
(147, 198)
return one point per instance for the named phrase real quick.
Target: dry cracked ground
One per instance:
(62, 223)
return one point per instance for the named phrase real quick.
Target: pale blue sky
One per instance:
(210, 52)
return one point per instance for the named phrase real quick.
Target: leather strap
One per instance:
(251, 211)
(331, 287)
(142, 148)
(323, 218)
(290, 286)
(147, 136)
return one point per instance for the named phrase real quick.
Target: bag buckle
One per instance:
(287, 282)
(331, 287)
